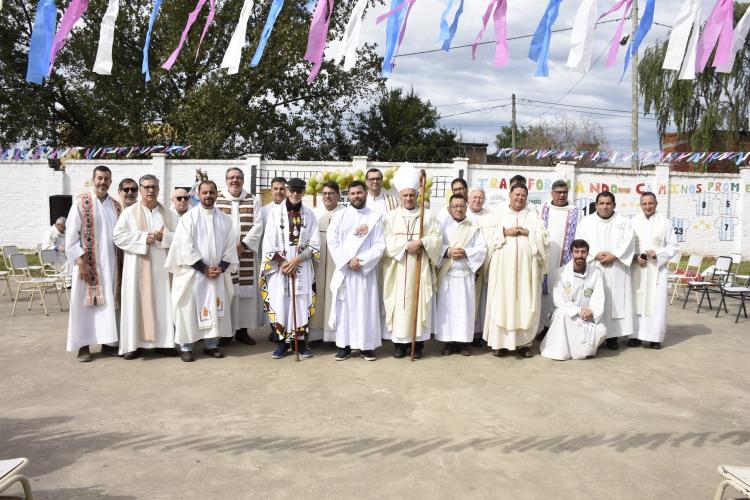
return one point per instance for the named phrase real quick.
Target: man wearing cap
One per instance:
(291, 243)
(402, 246)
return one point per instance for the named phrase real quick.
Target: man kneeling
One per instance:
(575, 330)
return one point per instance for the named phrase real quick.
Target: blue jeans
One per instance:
(207, 344)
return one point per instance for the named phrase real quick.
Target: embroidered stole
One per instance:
(94, 294)
(245, 275)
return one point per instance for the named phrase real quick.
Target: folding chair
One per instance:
(672, 267)
(5, 276)
(51, 269)
(691, 271)
(737, 261)
(719, 278)
(736, 477)
(10, 474)
(10, 250)
(30, 284)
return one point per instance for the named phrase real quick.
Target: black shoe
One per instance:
(525, 352)
(655, 345)
(244, 337)
(465, 350)
(223, 341)
(500, 353)
(343, 354)
(612, 344)
(166, 351)
(368, 355)
(447, 350)
(187, 356)
(477, 342)
(109, 350)
(84, 355)
(304, 351)
(214, 353)
(634, 342)
(420, 347)
(133, 354)
(399, 351)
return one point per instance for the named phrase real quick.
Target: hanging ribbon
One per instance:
(348, 47)
(582, 37)
(103, 62)
(738, 41)
(397, 21)
(683, 40)
(75, 10)
(498, 9)
(539, 48)
(718, 28)
(316, 40)
(273, 13)
(615, 44)
(644, 26)
(191, 19)
(232, 56)
(41, 41)
(447, 32)
(147, 45)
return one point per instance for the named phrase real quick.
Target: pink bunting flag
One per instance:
(191, 20)
(75, 10)
(615, 44)
(316, 41)
(718, 27)
(498, 9)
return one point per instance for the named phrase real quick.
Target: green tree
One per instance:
(402, 127)
(269, 109)
(710, 107)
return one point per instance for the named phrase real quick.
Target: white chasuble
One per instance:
(146, 314)
(200, 304)
(455, 301)
(286, 237)
(400, 272)
(570, 337)
(323, 272)
(354, 314)
(650, 282)
(614, 235)
(97, 324)
(514, 291)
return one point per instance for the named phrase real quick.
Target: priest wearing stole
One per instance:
(402, 245)
(482, 218)
(144, 232)
(655, 245)
(201, 258)
(610, 237)
(561, 220)
(464, 250)
(518, 245)
(319, 328)
(291, 244)
(356, 244)
(576, 330)
(95, 265)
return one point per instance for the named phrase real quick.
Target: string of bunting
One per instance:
(688, 51)
(707, 157)
(88, 153)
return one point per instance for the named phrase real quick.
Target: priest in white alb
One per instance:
(356, 244)
(576, 330)
(610, 237)
(518, 245)
(463, 253)
(655, 244)
(291, 247)
(481, 217)
(561, 220)
(95, 265)
(403, 245)
(54, 239)
(144, 233)
(202, 256)
(324, 212)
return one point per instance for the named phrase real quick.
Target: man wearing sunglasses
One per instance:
(128, 192)
(180, 202)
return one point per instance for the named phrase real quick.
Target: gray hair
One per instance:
(477, 188)
(230, 169)
(148, 177)
(60, 220)
(559, 184)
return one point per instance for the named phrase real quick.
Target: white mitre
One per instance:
(406, 177)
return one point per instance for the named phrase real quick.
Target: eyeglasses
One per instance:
(130, 190)
(235, 178)
(374, 179)
(182, 198)
(333, 193)
(559, 193)
(150, 188)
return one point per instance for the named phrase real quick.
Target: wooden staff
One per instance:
(422, 182)
(294, 316)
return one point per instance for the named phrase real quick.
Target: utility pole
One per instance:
(634, 89)
(513, 127)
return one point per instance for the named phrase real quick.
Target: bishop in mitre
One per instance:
(403, 245)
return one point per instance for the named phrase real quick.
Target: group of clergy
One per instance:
(146, 276)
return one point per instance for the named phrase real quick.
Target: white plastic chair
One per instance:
(31, 284)
(736, 477)
(10, 474)
(692, 270)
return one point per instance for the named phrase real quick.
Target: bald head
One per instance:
(181, 200)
